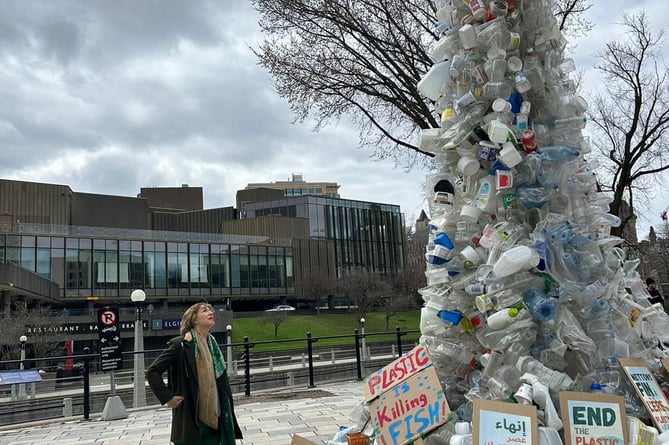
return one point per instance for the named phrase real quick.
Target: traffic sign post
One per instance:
(111, 358)
(109, 331)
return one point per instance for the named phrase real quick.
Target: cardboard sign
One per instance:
(665, 366)
(592, 419)
(501, 423)
(648, 390)
(410, 409)
(299, 440)
(395, 372)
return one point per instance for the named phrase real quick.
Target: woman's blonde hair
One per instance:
(188, 318)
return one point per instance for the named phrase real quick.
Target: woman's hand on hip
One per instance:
(175, 402)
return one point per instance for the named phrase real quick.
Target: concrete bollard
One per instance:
(394, 352)
(304, 360)
(67, 407)
(271, 363)
(290, 378)
(332, 352)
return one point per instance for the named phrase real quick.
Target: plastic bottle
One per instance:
(467, 35)
(541, 307)
(528, 139)
(533, 72)
(555, 380)
(435, 82)
(557, 153)
(430, 323)
(514, 260)
(524, 394)
(444, 193)
(502, 319)
(485, 197)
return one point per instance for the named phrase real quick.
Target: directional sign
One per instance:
(109, 332)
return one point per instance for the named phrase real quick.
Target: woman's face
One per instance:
(204, 317)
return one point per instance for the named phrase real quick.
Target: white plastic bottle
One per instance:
(501, 319)
(515, 260)
(485, 197)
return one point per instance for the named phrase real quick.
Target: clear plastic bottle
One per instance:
(557, 153)
(555, 380)
(542, 307)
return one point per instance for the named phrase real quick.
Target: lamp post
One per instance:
(139, 393)
(22, 387)
(228, 328)
(364, 343)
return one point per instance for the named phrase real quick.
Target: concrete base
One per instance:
(114, 409)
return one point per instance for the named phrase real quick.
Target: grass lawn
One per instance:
(295, 326)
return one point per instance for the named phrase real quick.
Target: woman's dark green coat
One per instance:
(179, 359)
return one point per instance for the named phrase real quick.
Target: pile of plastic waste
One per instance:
(527, 292)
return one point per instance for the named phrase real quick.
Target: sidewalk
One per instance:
(267, 418)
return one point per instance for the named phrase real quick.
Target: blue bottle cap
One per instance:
(450, 317)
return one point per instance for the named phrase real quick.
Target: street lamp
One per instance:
(22, 387)
(228, 328)
(364, 344)
(139, 393)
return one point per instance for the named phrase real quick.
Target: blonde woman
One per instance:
(198, 390)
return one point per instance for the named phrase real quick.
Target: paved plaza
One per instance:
(266, 418)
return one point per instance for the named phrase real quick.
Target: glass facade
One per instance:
(365, 234)
(104, 266)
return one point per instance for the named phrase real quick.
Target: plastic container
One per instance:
(514, 260)
(555, 380)
(435, 81)
(485, 197)
(468, 166)
(509, 156)
(557, 153)
(502, 319)
(542, 307)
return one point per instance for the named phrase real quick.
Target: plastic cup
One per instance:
(514, 64)
(468, 166)
(470, 213)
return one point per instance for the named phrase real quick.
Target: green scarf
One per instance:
(226, 424)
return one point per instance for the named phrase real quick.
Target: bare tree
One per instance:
(317, 285)
(275, 318)
(37, 326)
(362, 60)
(632, 115)
(364, 289)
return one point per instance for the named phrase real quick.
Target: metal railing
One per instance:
(63, 394)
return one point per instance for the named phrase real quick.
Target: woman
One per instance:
(198, 390)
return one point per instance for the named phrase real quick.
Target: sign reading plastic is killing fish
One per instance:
(411, 408)
(395, 372)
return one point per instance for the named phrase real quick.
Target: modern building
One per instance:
(77, 252)
(296, 186)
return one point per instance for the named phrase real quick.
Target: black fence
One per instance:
(81, 388)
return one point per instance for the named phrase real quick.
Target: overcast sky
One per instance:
(110, 96)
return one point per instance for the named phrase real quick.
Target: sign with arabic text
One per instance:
(502, 423)
(648, 390)
(593, 419)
